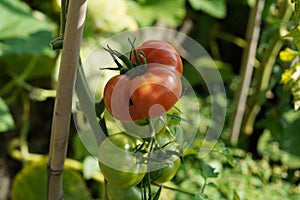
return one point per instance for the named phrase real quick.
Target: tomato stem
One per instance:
(133, 50)
(110, 51)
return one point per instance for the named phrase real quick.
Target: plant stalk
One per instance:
(263, 74)
(63, 103)
(252, 36)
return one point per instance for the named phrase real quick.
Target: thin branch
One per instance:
(252, 36)
(62, 109)
(263, 74)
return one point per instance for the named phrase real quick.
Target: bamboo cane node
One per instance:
(54, 172)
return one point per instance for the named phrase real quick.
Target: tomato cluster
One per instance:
(150, 88)
(127, 164)
(147, 87)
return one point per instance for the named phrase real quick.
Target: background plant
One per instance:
(268, 141)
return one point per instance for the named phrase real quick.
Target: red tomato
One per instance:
(157, 51)
(117, 98)
(146, 95)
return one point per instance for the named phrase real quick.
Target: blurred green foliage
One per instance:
(268, 165)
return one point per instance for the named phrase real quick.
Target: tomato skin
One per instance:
(166, 173)
(117, 163)
(116, 193)
(156, 91)
(147, 95)
(117, 96)
(157, 51)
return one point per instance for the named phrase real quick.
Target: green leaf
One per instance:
(23, 30)
(19, 21)
(79, 150)
(291, 80)
(199, 196)
(207, 171)
(157, 194)
(235, 195)
(215, 8)
(6, 120)
(35, 67)
(227, 154)
(34, 44)
(31, 183)
(147, 12)
(212, 185)
(99, 107)
(295, 34)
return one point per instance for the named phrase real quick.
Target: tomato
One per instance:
(157, 51)
(117, 98)
(146, 95)
(118, 163)
(166, 173)
(116, 193)
(167, 166)
(142, 128)
(155, 92)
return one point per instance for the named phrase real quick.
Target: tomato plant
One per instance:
(118, 163)
(157, 51)
(145, 91)
(141, 128)
(164, 161)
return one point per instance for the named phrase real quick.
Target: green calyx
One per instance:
(128, 67)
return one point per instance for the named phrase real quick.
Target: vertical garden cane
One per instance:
(62, 111)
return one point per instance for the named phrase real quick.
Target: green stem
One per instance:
(25, 129)
(63, 17)
(87, 105)
(204, 185)
(176, 189)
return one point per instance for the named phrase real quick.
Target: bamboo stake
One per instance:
(63, 103)
(252, 35)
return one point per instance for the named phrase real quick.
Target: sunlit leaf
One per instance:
(291, 80)
(211, 184)
(147, 12)
(207, 171)
(235, 195)
(199, 196)
(295, 34)
(6, 120)
(215, 8)
(108, 20)
(22, 31)
(31, 183)
(90, 167)
(288, 55)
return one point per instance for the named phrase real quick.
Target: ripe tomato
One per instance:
(116, 193)
(118, 163)
(117, 98)
(146, 95)
(157, 51)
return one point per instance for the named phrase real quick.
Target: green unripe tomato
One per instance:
(164, 166)
(116, 193)
(141, 128)
(166, 173)
(118, 162)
